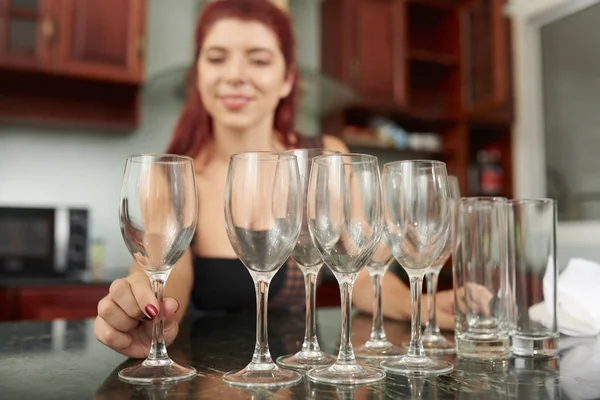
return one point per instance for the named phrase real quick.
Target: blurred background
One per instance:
(505, 92)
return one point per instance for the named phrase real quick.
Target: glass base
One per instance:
(378, 349)
(267, 375)
(151, 372)
(483, 346)
(346, 374)
(417, 366)
(305, 360)
(435, 343)
(534, 345)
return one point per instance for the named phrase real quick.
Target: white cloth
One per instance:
(578, 291)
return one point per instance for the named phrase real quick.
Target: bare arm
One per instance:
(396, 296)
(397, 303)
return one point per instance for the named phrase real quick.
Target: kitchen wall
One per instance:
(50, 166)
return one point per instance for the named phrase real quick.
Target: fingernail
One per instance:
(151, 311)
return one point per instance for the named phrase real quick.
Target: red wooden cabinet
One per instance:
(72, 61)
(486, 49)
(25, 30)
(101, 39)
(363, 42)
(73, 301)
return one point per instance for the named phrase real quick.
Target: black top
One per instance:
(224, 284)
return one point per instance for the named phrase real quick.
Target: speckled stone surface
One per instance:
(62, 360)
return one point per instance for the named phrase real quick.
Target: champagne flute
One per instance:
(158, 216)
(417, 224)
(263, 217)
(433, 340)
(309, 261)
(378, 346)
(345, 223)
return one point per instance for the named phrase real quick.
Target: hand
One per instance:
(124, 321)
(444, 312)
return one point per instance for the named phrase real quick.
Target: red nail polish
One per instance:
(151, 311)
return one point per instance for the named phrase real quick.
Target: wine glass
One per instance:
(309, 261)
(263, 217)
(345, 223)
(433, 340)
(378, 346)
(417, 224)
(158, 215)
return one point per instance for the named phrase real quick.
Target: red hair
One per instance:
(194, 129)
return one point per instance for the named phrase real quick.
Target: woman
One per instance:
(241, 97)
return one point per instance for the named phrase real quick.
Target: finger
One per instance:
(171, 325)
(114, 315)
(143, 294)
(121, 293)
(110, 336)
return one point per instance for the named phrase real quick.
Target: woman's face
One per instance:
(242, 74)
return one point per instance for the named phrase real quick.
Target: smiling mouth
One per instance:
(235, 102)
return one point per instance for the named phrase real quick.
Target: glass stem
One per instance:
(310, 326)
(432, 281)
(158, 350)
(377, 331)
(416, 347)
(261, 349)
(346, 354)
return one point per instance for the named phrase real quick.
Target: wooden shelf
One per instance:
(369, 144)
(427, 56)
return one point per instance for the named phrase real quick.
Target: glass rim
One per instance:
(262, 155)
(394, 164)
(357, 158)
(518, 202)
(156, 158)
(484, 200)
(310, 149)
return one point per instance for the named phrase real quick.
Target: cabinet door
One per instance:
(378, 68)
(103, 39)
(485, 56)
(27, 33)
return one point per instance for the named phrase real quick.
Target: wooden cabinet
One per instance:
(439, 66)
(72, 61)
(82, 38)
(377, 69)
(24, 26)
(485, 56)
(363, 43)
(68, 301)
(102, 39)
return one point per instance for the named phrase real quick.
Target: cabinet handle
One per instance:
(48, 29)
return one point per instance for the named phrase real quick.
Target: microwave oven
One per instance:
(38, 242)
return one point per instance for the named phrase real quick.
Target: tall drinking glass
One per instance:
(378, 346)
(433, 340)
(417, 224)
(263, 217)
(482, 275)
(309, 261)
(532, 251)
(158, 215)
(345, 223)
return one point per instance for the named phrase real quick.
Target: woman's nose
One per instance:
(235, 71)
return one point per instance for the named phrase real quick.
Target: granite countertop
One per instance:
(62, 360)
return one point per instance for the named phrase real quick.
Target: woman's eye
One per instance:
(260, 62)
(215, 60)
